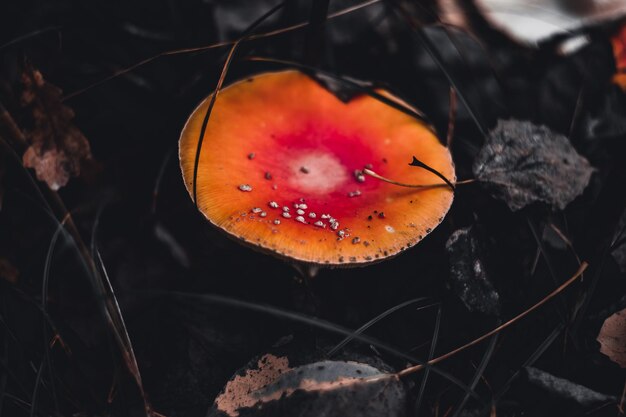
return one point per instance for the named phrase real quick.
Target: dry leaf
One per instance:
(322, 389)
(612, 338)
(57, 149)
(522, 163)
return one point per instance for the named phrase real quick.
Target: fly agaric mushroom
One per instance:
(303, 195)
(618, 42)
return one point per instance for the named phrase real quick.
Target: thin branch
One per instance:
(418, 186)
(412, 369)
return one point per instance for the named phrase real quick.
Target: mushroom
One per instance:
(328, 213)
(618, 42)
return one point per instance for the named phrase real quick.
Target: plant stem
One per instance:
(419, 186)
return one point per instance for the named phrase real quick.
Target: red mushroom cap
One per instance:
(281, 169)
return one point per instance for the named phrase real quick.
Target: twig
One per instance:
(264, 35)
(620, 406)
(451, 117)
(412, 369)
(419, 186)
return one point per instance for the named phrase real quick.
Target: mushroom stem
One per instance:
(420, 186)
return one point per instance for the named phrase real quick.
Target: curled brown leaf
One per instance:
(57, 148)
(612, 338)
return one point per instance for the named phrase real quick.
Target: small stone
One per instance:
(355, 193)
(300, 212)
(251, 156)
(381, 215)
(285, 209)
(356, 240)
(263, 214)
(300, 219)
(268, 176)
(276, 221)
(286, 215)
(273, 204)
(304, 170)
(319, 223)
(257, 210)
(312, 215)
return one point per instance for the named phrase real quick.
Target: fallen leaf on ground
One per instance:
(522, 163)
(57, 148)
(322, 389)
(612, 338)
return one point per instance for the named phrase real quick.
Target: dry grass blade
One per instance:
(30, 35)
(549, 263)
(451, 117)
(218, 45)
(478, 374)
(431, 353)
(51, 198)
(565, 240)
(316, 323)
(113, 314)
(412, 369)
(434, 54)
(620, 406)
(220, 83)
(375, 320)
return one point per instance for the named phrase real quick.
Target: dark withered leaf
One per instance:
(522, 163)
(324, 389)
(566, 389)
(468, 276)
(57, 148)
(612, 338)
